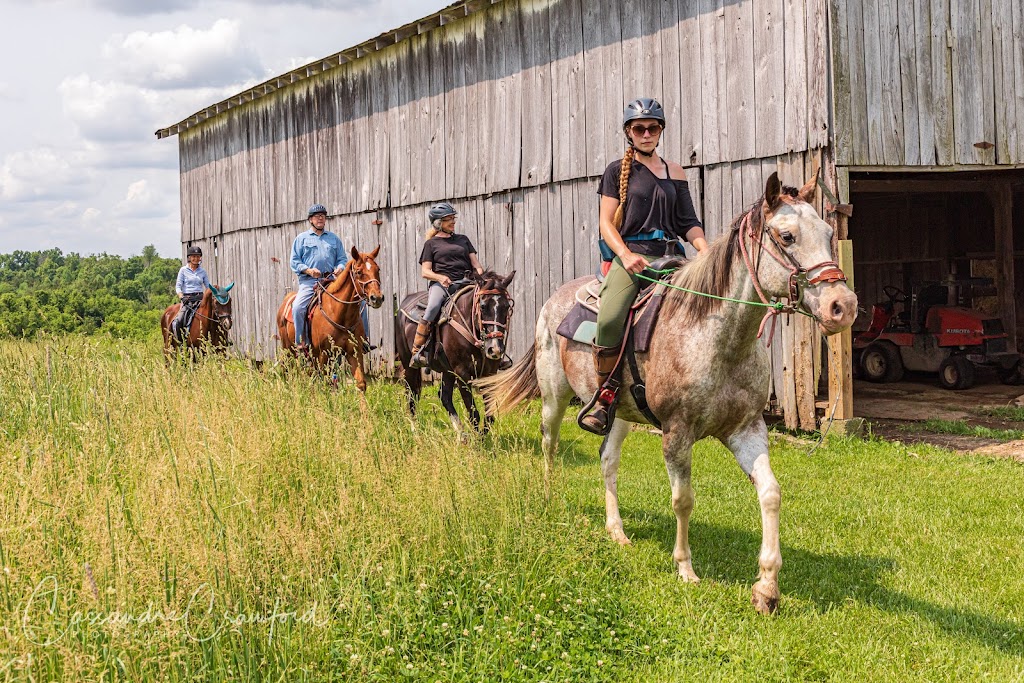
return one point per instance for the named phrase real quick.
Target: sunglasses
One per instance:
(638, 130)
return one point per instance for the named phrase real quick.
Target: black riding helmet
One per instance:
(642, 108)
(194, 251)
(441, 210)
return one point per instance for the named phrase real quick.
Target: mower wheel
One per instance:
(881, 362)
(956, 372)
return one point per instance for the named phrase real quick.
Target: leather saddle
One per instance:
(581, 322)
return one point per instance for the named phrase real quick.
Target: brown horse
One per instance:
(469, 346)
(706, 372)
(336, 327)
(210, 326)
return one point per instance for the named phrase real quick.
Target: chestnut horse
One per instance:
(337, 327)
(210, 326)
(706, 373)
(472, 343)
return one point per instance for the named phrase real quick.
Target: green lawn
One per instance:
(220, 523)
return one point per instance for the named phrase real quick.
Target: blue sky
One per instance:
(86, 83)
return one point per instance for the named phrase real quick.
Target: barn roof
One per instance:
(453, 12)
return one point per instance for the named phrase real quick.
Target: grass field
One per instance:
(215, 522)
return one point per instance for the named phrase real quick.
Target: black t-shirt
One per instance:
(652, 203)
(449, 255)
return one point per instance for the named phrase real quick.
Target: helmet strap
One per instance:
(640, 151)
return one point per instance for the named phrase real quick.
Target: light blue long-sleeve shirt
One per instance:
(324, 252)
(191, 281)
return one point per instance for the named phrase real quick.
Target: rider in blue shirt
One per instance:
(315, 253)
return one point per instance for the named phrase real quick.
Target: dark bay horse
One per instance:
(210, 326)
(471, 344)
(337, 327)
(706, 372)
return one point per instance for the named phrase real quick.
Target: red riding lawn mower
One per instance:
(930, 335)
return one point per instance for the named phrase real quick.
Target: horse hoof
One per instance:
(620, 537)
(765, 599)
(687, 574)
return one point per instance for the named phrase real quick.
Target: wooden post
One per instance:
(840, 346)
(1002, 202)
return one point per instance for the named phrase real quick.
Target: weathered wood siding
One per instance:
(928, 82)
(511, 113)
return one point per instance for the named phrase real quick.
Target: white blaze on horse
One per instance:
(706, 371)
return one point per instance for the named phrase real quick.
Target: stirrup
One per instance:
(420, 359)
(604, 401)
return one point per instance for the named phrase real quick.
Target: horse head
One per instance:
(221, 303)
(801, 264)
(366, 276)
(493, 311)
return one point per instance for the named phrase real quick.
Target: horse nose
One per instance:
(494, 351)
(226, 323)
(841, 312)
(376, 301)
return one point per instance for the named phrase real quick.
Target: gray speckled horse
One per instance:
(706, 371)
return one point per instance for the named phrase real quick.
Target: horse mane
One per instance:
(489, 279)
(711, 271)
(341, 278)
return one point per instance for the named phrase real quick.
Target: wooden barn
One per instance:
(907, 111)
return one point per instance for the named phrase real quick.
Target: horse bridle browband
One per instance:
(476, 333)
(798, 275)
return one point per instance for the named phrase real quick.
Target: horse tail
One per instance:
(506, 390)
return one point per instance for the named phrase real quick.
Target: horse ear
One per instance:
(507, 280)
(373, 254)
(228, 288)
(772, 190)
(355, 253)
(213, 289)
(806, 192)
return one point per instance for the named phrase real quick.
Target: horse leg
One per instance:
(447, 400)
(470, 403)
(355, 363)
(678, 451)
(611, 451)
(413, 384)
(750, 447)
(555, 394)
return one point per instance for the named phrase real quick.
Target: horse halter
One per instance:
(829, 271)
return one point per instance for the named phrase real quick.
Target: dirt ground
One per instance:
(895, 412)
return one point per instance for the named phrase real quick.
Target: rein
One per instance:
(798, 280)
(358, 286)
(475, 332)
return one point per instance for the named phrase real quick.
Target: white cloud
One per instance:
(141, 202)
(149, 7)
(39, 175)
(185, 57)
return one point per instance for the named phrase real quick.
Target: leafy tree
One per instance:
(56, 293)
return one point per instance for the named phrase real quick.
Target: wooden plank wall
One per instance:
(928, 82)
(517, 95)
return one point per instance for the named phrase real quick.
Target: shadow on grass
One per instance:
(729, 555)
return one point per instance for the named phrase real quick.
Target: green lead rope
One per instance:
(777, 306)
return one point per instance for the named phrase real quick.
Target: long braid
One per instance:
(627, 165)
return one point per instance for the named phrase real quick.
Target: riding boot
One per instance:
(420, 355)
(596, 416)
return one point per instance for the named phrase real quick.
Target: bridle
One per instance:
(358, 286)
(800, 277)
(217, 319)
(476, 332)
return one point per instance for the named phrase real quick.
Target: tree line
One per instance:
(56, 293)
